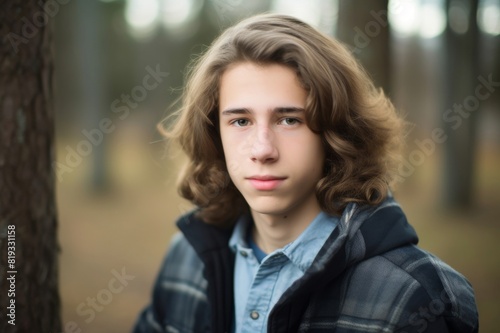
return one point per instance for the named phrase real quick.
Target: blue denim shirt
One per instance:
(259, 285)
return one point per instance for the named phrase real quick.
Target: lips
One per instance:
(266, 182)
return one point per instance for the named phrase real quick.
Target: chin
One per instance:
(268, 206)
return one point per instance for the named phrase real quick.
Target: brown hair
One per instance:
(361, 132)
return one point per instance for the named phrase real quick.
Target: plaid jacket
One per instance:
(369, 277)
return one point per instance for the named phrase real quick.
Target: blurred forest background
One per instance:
(120, 64)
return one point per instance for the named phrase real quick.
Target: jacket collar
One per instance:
(211, 245)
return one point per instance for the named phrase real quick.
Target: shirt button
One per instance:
(254, 315)
(244, 253)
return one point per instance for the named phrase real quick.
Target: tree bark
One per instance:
(28, 223)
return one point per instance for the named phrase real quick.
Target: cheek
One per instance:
(233, 168)
(308, 150)
(232, 154)
(236, 145)
(227, 145)
(316, 158)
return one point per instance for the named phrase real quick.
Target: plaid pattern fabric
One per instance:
(369, 277)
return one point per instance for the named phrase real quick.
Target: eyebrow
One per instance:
(281, 110)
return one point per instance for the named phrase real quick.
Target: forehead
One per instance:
(254, 86)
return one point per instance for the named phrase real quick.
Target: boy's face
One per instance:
(272, 156)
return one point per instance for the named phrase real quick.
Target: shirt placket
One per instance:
(261, 293)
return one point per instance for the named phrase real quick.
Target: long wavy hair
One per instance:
(359, 127)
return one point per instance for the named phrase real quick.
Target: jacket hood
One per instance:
(371, 231)
(364, 232)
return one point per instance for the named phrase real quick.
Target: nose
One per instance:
(264, 148)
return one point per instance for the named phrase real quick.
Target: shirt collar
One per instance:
(302, 251)
(240, 230)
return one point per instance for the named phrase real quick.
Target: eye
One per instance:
(290, 121)
(241, 122)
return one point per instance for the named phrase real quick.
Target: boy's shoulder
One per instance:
(180, 293)
(413, 267)
(407, 287)
(182, 262)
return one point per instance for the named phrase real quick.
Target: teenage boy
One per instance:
(291, 155)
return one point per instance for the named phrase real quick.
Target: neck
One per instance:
(274, 231)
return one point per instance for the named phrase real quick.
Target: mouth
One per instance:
(266, 182)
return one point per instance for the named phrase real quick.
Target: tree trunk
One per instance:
(462, 73)
(28, 224)
(364, 26)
